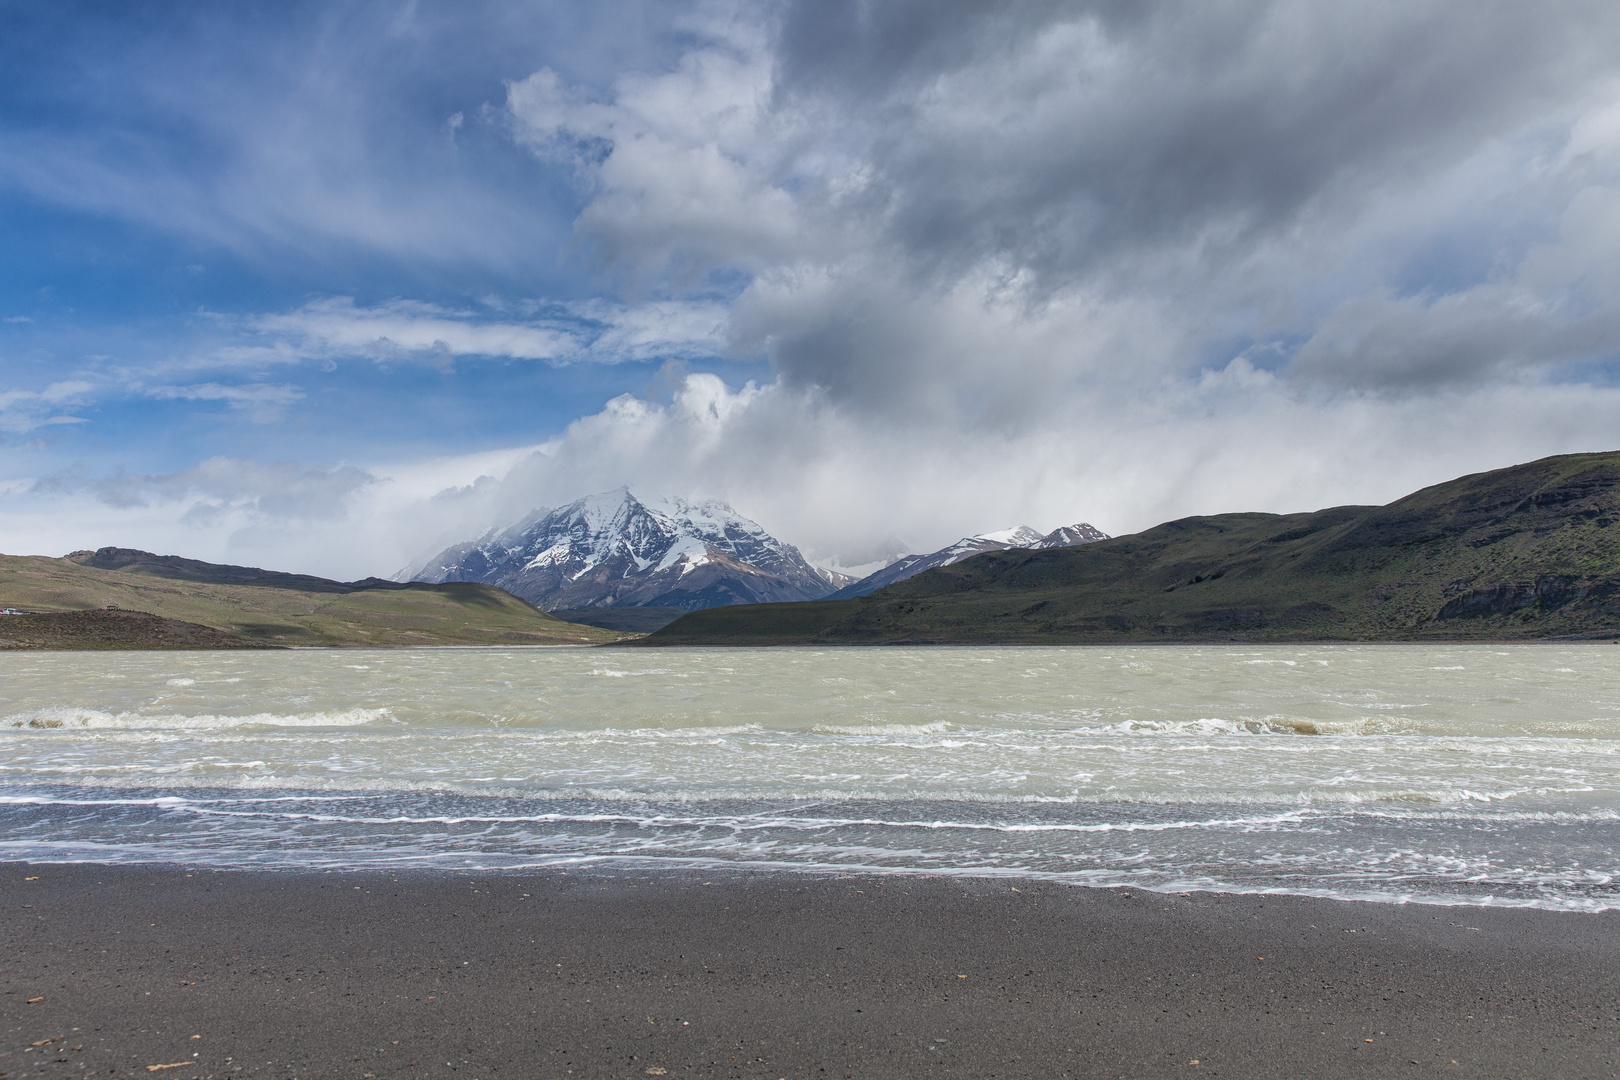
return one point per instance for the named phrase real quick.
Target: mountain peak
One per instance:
(1071, 536)
(1017, 536)
(614, 549)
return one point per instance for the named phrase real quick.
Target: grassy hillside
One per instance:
(279, 609)
(1522, 553)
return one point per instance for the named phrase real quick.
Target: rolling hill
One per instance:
(1524, 553)
(241, 606)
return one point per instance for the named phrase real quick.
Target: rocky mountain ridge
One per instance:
(617, 550)
(1021, 536)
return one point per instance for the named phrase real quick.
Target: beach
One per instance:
(623, 974)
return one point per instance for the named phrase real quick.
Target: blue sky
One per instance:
(323, 286)
(179, 169)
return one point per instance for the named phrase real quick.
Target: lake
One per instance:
(1442, 774)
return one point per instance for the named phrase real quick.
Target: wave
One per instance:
(895, 728)
(1409, 804)
(622, 673)
(70, 718)
(1264, 725)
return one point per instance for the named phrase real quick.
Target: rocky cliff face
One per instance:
(615, 550)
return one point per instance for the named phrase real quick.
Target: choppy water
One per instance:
(1452, 774)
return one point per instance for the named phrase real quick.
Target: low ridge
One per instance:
(125, 598)
(1528, 552)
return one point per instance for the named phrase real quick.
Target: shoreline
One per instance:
(642, 642)
(1607, 637)
(612, 866)
(478, 974)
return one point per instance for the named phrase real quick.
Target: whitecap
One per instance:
(76, 719)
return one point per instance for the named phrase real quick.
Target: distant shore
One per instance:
(114, 969)
(131, 631)
(138, 631)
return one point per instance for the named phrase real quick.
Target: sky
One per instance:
(328, 286)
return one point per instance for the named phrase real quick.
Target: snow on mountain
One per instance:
(832, 577)
(615, 550)
(1069, 536)
(1021, 536)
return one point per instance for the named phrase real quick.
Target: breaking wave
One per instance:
(65, 717)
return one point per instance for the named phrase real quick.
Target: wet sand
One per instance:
(597, 974)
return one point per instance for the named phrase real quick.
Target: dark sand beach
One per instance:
(111, 970)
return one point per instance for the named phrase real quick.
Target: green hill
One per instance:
(1522, 553)
(259, 606)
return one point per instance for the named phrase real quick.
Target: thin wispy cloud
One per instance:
(262, 402)
(25, 410)
(415, 331)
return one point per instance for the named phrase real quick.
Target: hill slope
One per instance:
(272, 608)
(1527, 552)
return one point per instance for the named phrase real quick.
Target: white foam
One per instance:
(901, 729)
(75, 719)
(1257, 726)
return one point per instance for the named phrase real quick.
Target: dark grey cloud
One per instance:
(1399, 345)
(1067, 138)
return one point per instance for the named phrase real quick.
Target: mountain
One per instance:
(1020, 537)
(1070, 536)
(1524, 553)
(123, 598)
(615, 550)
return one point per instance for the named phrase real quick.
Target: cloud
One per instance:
(264, 403)
(25, 410)
(339, 520)
(224, 487)
(1094, 140)
(412, 331)
(674, 162)
(962, 211)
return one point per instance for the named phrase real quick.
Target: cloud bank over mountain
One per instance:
(903, 270)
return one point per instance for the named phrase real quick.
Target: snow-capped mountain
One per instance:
(615, 550)
(1020, 537)
(1070, 536)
